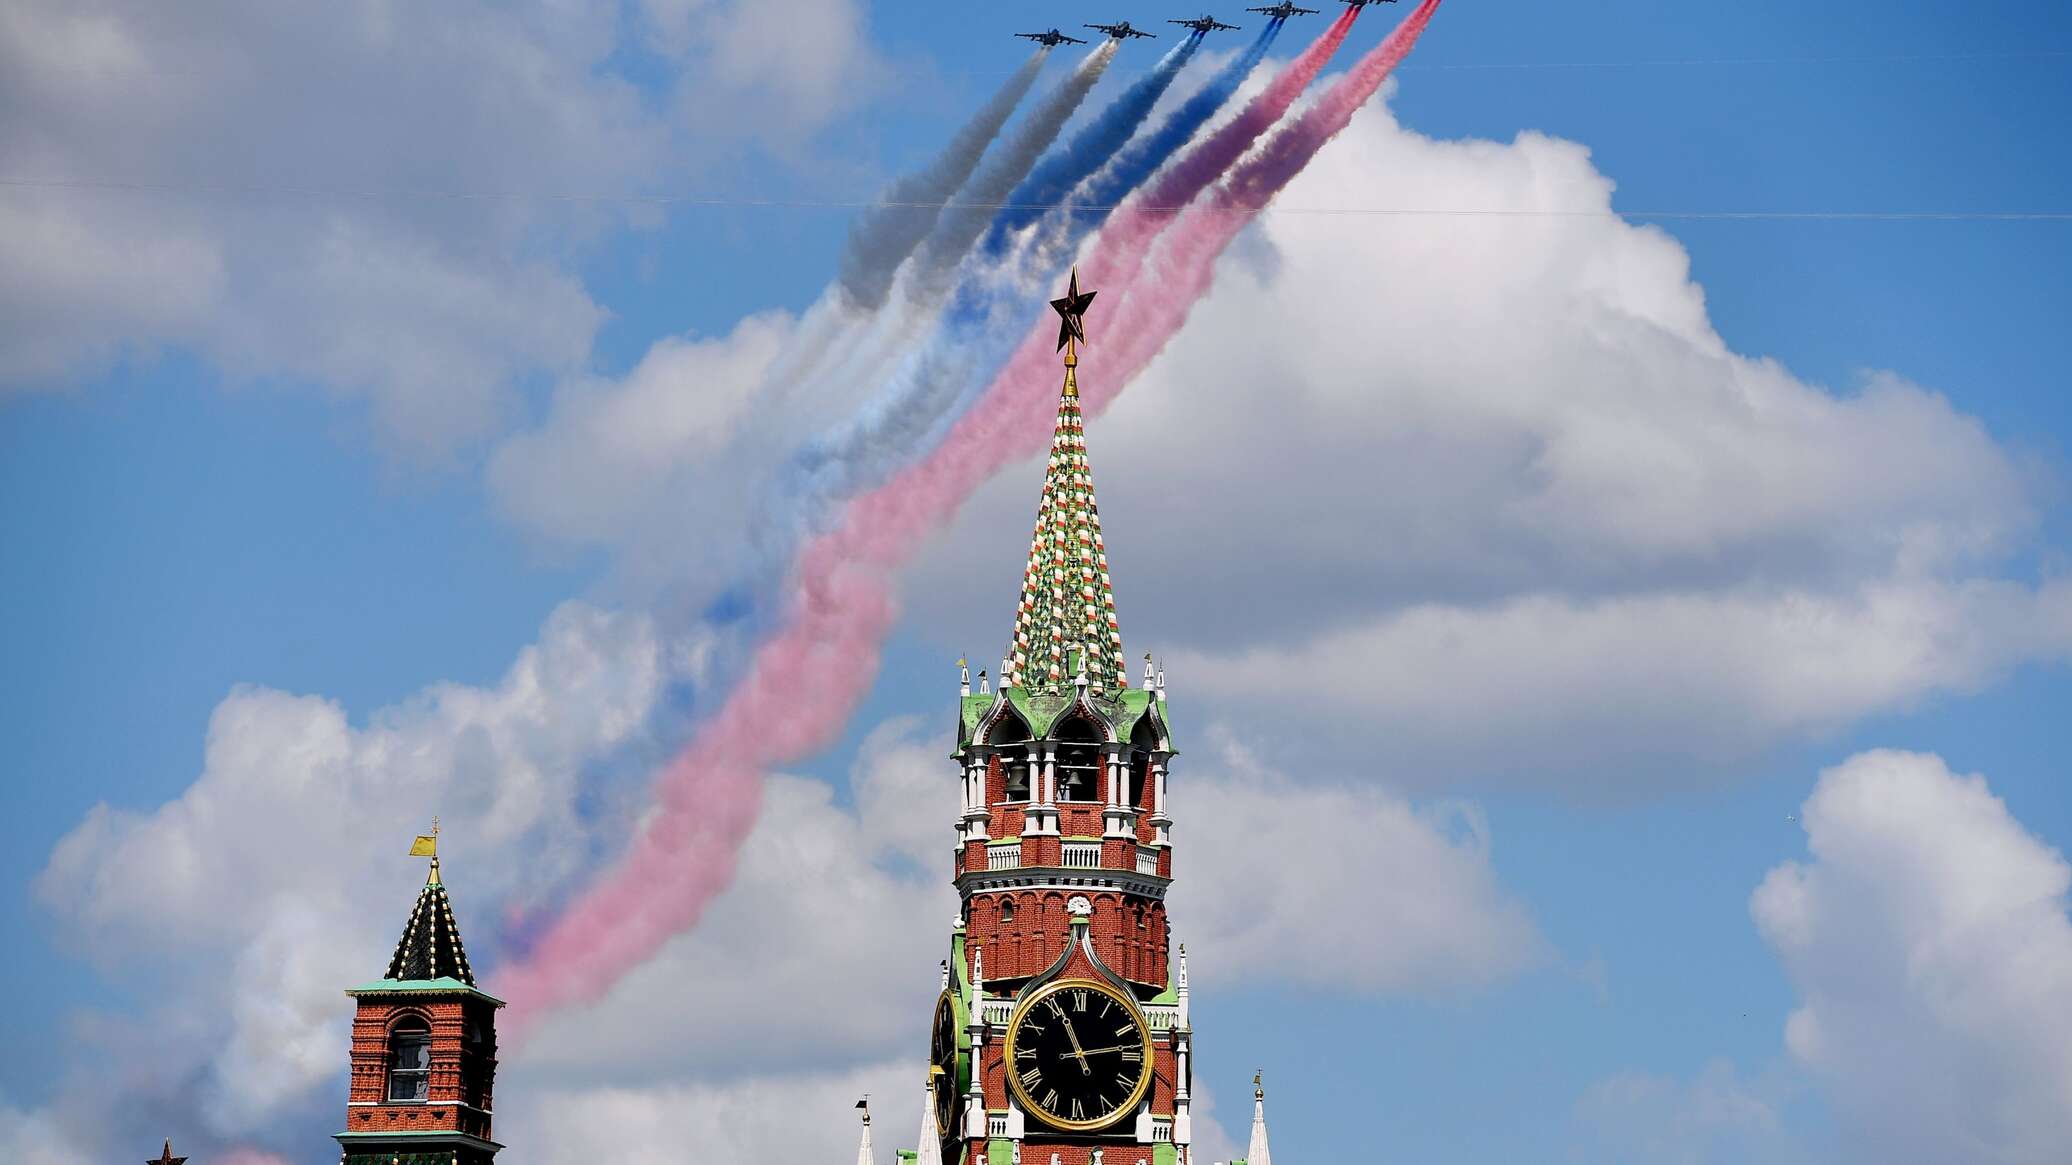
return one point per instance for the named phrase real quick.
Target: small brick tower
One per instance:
(424, 1049)
(1062, 1029)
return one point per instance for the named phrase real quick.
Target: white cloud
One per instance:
(1489, 495)
(1264, 864)
(599, 470)
(249, 893)
(1928, 940)
(866, 889)
(803, 1116)
(35, 1138)
(358, 194)
(1606, 691)
(1717, 1118)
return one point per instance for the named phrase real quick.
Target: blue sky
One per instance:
(208, 491)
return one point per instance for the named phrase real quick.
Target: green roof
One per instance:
(1041, 712)
(443, 985)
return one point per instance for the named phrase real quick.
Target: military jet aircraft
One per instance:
(1051, 39)
(1364, 3)
(1205, 24)
(1284, 10)
(1121, 31)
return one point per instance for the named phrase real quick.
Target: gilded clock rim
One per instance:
(943, 1000)
(1137, 1092)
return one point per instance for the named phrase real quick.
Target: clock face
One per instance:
(942, 1053)
(1078, 1054)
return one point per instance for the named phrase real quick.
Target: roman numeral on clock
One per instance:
(1031, 1077)
(1133, 1055)
(1079, 1000)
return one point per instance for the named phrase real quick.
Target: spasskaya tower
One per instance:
(1061, 1036)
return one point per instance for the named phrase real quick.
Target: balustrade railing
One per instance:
(1004, 857)
(1082, 855)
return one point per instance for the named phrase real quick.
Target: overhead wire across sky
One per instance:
(734, 201)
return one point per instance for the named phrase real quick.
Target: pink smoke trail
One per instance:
(883, 527)
(1186, 264)
(803, 684)
(792, 702)
(1129, 232)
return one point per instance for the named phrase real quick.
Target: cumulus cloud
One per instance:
(619, 461)
(1265, 864)
(865, 888)
(1717, 1118)
(1489, 494)
(1604, 691)
(243, 899)
(357, 195)
(803, 1116)
(1927, 938)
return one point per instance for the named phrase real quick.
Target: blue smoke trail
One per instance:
(914, 408)
(1090, 149)
(941, 378)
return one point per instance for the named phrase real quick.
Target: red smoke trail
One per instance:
(803, 684)
(792, 702)
(1131, 229)
(1153, 310)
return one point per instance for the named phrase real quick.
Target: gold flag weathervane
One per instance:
(427, 844)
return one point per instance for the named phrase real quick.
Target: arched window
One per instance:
(1079, 761)
(1011, 736)
(410, 1059)
(1142, 742)
(1007, 910)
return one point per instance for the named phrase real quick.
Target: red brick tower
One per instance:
(424, 1051)
(1062, 1029)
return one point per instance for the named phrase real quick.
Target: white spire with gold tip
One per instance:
(1258, 1153)
(930, 1151)
(864, 1154)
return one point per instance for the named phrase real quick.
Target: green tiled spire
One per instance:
(1066, 618)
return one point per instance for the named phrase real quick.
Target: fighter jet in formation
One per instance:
(1203, 25)
(1051, 39)
(1284, 10)
(1123, 31)
(1364, 3)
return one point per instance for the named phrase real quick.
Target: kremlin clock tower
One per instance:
(1061, 1036)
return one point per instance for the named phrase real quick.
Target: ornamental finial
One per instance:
(427, 846)
(1071, 309)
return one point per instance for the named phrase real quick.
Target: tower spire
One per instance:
(1258, 1153)
(929, 1151)
(865, 1155)
(1065, 621)
(430, 947)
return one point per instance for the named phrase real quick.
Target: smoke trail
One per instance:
(1151, 306)
(1088, 151)
(805, 682)
(1154, 311)
(885, 235)
(1131, 230)
(960, 225)
(1141, 158)
(937, 382)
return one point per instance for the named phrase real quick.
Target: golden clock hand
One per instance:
(1098, 1051)
(1078, 1051)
